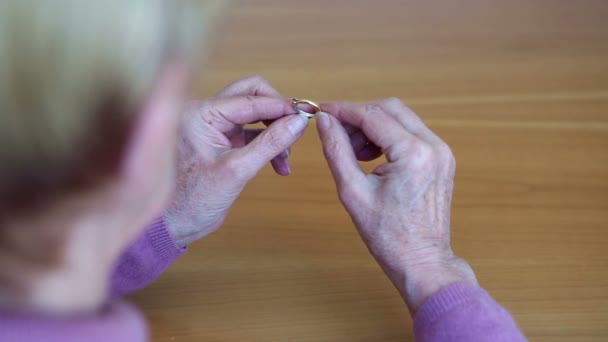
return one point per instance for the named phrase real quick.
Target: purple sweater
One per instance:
(457, 313)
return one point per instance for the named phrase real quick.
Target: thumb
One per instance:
(275, 139)
(338, 151)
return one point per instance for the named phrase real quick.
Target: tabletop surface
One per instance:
(519, 89)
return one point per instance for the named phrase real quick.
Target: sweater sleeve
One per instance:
(145, 260)
(115, 322)
(463, 312)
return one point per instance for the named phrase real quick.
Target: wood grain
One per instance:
(519, 89)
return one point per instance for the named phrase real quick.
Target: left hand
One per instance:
(402, 208)
(217, 156)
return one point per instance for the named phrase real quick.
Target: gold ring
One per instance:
(297, 102)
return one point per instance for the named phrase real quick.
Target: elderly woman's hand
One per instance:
(217, 156)
(402, 208)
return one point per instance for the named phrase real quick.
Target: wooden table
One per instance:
(519, 89)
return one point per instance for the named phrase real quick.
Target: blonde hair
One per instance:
(72, 75)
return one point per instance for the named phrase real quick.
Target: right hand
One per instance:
(402, 208)
(217, 155)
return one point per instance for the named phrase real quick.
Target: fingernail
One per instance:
(284, 154)
(323, 119)
(297, 123)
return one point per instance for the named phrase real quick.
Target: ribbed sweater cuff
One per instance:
(442, 302)
(163, 243)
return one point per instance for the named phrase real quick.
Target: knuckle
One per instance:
(251, 103)
(429, 158)
(250, 80)
(273, 140)
(332, 148)
(213, 116)
(257, 79)
(367, 120)
(422, 155)
(392, 102)
(452, 165)
(261, 86)
(250, 99)
(371, 108)
(425, 152)
(446, 155)
(444, 150)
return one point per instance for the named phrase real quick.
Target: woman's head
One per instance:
(89, 100)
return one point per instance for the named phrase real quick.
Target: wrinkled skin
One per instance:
(402, 208)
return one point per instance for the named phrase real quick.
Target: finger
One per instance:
(369, 152)
(225, 113)
(338, 151)
(280, 164)
(285, 154)
(252, 133)
(380, 128)
(364, 149)
(305, 107)
(358, 140)
(350, 129)
(252, 86)
(407, 117)
(268, 144)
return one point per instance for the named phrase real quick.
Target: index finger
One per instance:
(225, 113)
(379, 127)
(254, 85)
